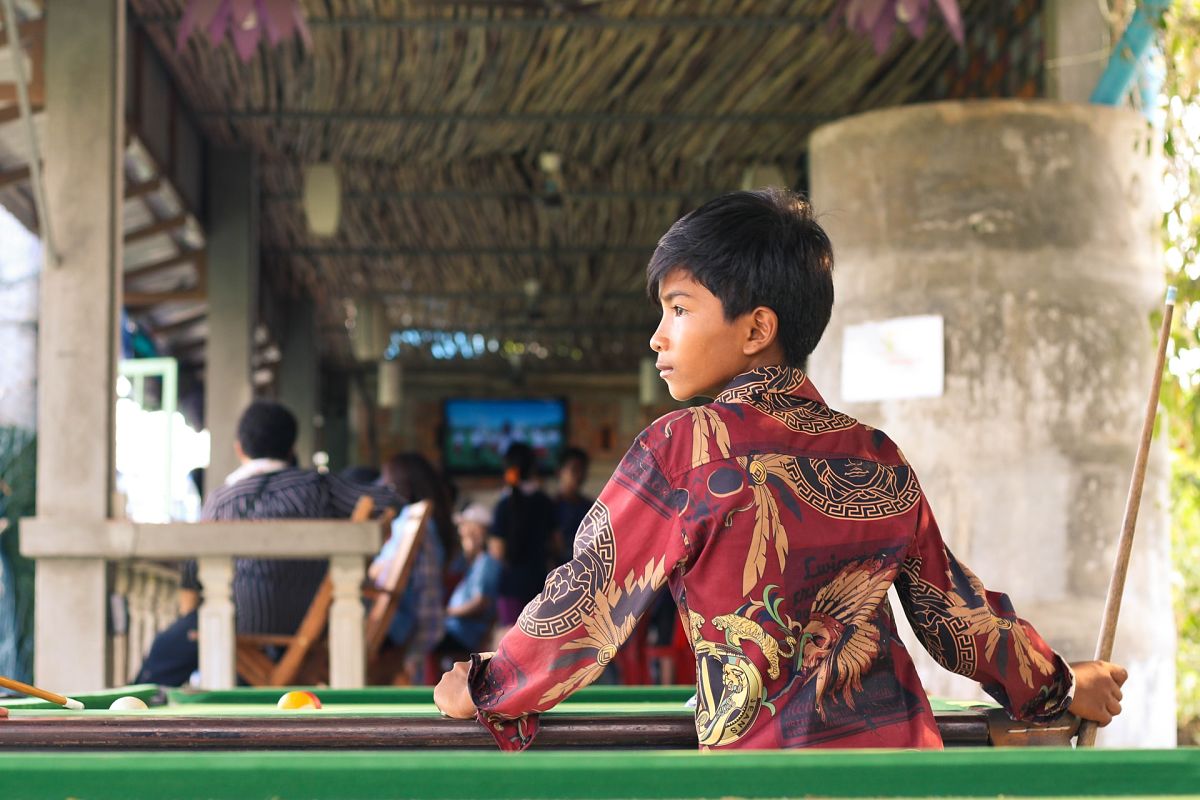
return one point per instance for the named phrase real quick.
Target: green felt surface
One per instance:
(1018, 772)
(414, 701)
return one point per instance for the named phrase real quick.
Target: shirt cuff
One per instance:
(1053, 700)
(511, 735)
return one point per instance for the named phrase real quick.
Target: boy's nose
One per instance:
(657, 342)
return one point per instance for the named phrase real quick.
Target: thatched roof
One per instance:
(437, 114)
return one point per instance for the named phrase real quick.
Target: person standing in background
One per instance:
(522, 532)
(570, 504)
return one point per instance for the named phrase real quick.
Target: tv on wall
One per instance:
(477, 432)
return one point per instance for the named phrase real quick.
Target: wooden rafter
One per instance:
(162, 226)
(148, 270)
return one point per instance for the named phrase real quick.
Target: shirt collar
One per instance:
(772, 380)
(256, 466)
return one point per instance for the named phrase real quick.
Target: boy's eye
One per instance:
(679, 311)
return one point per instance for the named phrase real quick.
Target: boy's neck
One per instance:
(771, 357)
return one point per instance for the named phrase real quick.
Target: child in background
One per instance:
(472, 607)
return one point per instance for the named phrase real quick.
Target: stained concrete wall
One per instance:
(1032, 228)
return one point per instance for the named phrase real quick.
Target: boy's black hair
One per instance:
(750, 249)
(570, 454)
(266, 430)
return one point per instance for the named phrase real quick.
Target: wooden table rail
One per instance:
(316, 731)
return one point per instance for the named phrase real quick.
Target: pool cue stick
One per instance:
(1116, 585)
(33, 691)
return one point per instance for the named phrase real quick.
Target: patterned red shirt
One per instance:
(779, 525)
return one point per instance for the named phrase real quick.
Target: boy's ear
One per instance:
(763, 331)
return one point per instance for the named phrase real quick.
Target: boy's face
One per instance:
(699, 351)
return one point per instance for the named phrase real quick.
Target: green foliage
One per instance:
(18, 475)
(1181, 398)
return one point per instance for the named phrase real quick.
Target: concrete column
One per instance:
(232, 300)
(1078, 44)
(1032, 229)
(83, 147)
(298, 374)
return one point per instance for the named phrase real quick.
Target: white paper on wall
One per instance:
(893, 359)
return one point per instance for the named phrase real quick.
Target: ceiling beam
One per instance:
(14, 176)
(522, 117)
(396, 252)
(757, 22)
(182, 322)
(146, 270)
(162, 226)
(133, 190)
(143, 299)
(13, 113)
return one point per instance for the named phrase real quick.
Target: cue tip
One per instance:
(1171, 290)
(74, 705)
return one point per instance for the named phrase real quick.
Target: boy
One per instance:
(779, 525)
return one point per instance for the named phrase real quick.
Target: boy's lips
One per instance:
(664, 370)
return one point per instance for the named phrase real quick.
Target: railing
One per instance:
(69, 553)
(144, 600)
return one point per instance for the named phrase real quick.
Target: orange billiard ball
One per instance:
(3, 712)
(297, 700)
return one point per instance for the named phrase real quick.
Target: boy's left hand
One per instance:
(452, 696)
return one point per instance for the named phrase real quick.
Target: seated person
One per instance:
(472, 607)
(419, 620)
(270, 595)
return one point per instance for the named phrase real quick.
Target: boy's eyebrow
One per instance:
(669, 296)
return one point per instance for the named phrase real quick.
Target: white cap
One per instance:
(477, 513)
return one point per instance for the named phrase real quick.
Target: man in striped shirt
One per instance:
(270, 595)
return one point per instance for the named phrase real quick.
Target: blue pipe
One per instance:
(1133, 46)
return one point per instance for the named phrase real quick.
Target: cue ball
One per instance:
(297, 700)
(128, 704)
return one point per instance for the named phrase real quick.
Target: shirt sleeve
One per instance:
(630, 542)
(343, 495)
(977, 633)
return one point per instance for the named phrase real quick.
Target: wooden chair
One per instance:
(385, 666)
(300, 648)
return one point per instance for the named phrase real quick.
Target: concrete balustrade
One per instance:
(61, 546)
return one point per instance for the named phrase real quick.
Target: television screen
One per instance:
(477, 432)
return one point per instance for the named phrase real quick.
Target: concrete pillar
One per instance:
(1032, 229)
(232, 301)
(298, 374)
(1078, 44)
(83, 148)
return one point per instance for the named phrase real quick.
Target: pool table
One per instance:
(234, 744)
(390, 718)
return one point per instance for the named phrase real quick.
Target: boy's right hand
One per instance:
(1097, 690)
